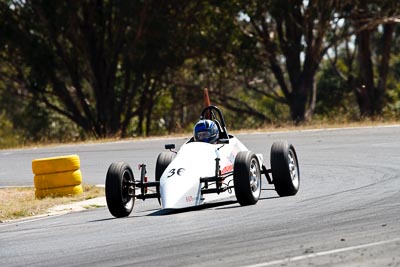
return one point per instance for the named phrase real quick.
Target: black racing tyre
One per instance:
(163, 160)
(285, 169)
(247, 178)
(119, 189)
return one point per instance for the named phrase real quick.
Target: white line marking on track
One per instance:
(322, 253)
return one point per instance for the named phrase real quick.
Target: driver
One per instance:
(206, 131)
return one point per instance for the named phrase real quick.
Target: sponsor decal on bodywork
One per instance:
(191, 198)
(227, 169)
(230, 160)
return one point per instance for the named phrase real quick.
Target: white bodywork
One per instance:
(180, 185)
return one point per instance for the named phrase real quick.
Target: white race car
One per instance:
(201, 172)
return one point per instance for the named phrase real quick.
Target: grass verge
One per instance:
(20, 202)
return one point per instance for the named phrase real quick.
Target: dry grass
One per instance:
(20, 202)
(321, 124)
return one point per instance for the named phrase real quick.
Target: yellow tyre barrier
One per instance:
(57, 176)
(57, 179)
(59, 191)
(55, 164)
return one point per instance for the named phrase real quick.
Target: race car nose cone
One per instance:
(180, 182)
(180, 192)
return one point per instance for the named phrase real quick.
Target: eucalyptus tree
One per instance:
(373, 24)
(97, 63)
(291, 38)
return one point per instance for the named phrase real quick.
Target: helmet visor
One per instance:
(203, 135)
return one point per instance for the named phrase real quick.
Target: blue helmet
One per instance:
(206, 131)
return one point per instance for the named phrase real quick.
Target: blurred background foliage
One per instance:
(75, 70)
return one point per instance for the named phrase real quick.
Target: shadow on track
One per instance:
(196, 208)
(218, 205)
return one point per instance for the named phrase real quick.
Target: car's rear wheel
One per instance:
(163, 160)
(285, 169)
(247, 178)
(120, 189)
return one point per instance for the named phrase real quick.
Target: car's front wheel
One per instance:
(163, 160)
(247, 178)
(120, 189)
(285, 169)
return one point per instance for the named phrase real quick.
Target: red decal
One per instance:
(226, 169)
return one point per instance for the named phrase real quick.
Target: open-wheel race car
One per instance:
(202, 172)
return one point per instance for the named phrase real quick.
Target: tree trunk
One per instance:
(150, 106)
(365, 90)
(298, 102)
(380, 90)
(370, 97)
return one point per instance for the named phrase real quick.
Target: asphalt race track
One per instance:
(347, 212)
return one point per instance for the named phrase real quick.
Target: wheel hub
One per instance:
(254, 178)
(293, 169)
